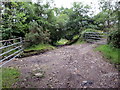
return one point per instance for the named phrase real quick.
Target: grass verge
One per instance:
(62, 42)
(80, 42)
(110, 53)
(39, 47)
(36, 50)
(9, 77)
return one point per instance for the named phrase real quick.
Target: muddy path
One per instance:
(75, 66)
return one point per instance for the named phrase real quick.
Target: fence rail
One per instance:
(10, 49)
(93, 36)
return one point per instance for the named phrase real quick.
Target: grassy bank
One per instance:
(9, 77)
(80, 41)
(39, 47)
(110, 53)
(62, 42)
(36, 50)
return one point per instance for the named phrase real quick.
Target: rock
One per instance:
(115, 80)
(53, 75)
(110, 74)
(92, 62)
(86, 83)
(56, 81)
(50, 86)
(50, 78)
(36, 65)
(16, 59)
(39, 74)
(92, 67)
(25, 79)
(76, 61)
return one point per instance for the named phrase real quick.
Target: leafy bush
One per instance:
(114, 39)
(62, 42)
(36, 35)
(6, 33)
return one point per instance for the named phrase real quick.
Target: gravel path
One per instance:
(75, 66)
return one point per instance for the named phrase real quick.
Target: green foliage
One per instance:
(110, 53)
(90, 30)
(41, 23)
(13, 18)
(39, 47)
(108, 16)
(53, 23)
(62, 42)
(114, 38)
(62, 20)
(77, 19)
(9, 77)
(6, 33)
(76, 36)
(36, 35)
(80, 41)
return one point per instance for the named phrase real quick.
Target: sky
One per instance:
(68, 3)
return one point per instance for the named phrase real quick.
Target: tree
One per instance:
(77, 19)
(108, 15)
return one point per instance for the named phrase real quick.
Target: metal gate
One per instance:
(93, 36)
(10, 49)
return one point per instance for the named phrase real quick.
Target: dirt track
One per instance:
(75, 66)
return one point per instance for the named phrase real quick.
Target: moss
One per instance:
(62, 42)
(37, 49)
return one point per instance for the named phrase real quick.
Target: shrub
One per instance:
(6, 33)
(36, 35)
(114, 39)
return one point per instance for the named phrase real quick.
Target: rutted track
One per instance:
(67, 67)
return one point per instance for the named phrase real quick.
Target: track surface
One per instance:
(75, 66)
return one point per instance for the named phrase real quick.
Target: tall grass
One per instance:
(39, 47)
(110, 53)
(9, 77)
(62, 42)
